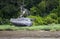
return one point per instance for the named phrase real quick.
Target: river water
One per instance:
(27, 38)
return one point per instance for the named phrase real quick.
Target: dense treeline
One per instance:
(44, 11)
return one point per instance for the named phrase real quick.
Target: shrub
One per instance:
(53, 15)
(0, 20)
(38, 20)
(56, 11)
(49, 20)
(58, 19)
(4, 21)
(43, 21)
(34, 11)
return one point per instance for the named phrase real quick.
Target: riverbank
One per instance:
(35, 34)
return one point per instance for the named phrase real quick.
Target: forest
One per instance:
(43, 11)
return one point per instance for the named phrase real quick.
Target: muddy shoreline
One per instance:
(37, 34)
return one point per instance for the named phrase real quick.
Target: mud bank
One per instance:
(35, 34)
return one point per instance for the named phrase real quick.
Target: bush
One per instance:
(38, 20)
(53, 15)
(56, 11)
(59, 20)
(4, 21)
(0, 20)
(49, 20)
(44, 21)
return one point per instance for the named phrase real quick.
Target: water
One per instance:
(27, 38)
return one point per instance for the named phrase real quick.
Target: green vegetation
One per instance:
(44, 11)
(45, 14)
(50, 27)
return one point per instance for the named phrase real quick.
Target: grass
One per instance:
(51, 27)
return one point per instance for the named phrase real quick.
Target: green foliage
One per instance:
(52, 18)
(44, 11)
(58, 19)
(4, 21)
(0, 20)
(8, 9)
(53, 15)
(33, 11)
(52, 27)
(49, 20)
(56, 11)
(38, 20)
(39, 9)
(42, 8)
